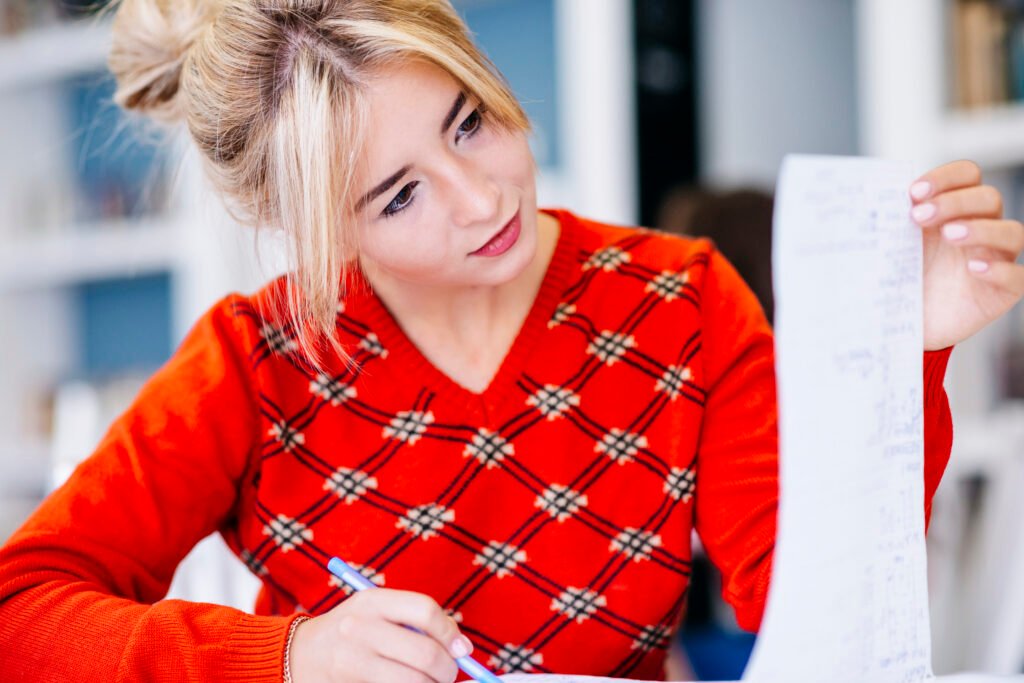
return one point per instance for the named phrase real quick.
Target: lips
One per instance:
(503, 240)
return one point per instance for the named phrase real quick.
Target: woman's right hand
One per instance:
(365, 640)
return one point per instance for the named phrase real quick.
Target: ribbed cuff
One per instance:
(255, 650)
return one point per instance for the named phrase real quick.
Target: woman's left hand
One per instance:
(970, 272)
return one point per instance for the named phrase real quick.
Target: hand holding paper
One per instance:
(970, 277)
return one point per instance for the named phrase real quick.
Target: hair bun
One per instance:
(151, 39)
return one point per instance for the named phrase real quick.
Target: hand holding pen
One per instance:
(365, 639)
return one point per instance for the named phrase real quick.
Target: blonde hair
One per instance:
(273, 94)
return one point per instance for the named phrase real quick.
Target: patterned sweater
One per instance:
(550, 514)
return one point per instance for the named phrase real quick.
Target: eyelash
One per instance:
(476, 115)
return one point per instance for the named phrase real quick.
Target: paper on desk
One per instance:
(848, 598)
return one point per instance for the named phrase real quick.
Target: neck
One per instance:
(463, 317)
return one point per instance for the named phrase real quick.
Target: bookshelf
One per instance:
(89, 254)
(65, 233)
(116, 249)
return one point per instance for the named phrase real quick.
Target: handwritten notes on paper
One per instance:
(848, 599)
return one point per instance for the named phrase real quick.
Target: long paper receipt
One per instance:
(849, 598)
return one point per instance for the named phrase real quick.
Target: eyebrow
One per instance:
(383, 187)
(454, 111)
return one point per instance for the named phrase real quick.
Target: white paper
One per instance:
(848, 599)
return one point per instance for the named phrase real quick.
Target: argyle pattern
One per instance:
(550, 515)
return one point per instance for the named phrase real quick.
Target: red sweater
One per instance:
(551, 514)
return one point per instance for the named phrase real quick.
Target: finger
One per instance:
(951, 176)
(1006, 275)
(415, 650)
(1006, 237)
(982, 201)
(376, 669)
(420, 612)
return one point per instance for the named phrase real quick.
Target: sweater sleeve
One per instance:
(81, 581)
(737, 466)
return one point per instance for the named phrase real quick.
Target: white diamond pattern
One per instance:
(489, 448)
(349, 485)
(287, 533)
(426, 520)
(610, 346)
(673, 380)
(372, 345)
(621, 445)
(652, 637)
(560, 502)
(608, 259)
(563, 312)
(277, 340)
(578, 604)
(667, 284)
(333, 390)
(289, 438)
(513, 658)
(635, 544)
(553, 401)
(680, 483)
(500, 558)
(408, 426)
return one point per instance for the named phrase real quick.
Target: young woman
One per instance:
(509, 418)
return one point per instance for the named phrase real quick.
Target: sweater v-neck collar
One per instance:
(411, 362)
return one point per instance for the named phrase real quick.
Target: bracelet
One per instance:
(287, 678)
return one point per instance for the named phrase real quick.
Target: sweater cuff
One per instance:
(935, 369)
(255, 650)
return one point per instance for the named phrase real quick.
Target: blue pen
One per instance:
(358, 582)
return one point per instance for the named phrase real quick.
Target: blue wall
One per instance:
(124, 324)
(519, 37)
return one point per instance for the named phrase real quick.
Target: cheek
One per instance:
(506, 155)
(404, 250)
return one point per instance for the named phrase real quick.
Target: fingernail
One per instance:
(954, 231)
(920, 189)
(923, 212)
(977, 266)
(461, 647)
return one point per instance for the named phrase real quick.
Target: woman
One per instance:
(518, 413)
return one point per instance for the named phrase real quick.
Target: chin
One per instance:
(513, 263)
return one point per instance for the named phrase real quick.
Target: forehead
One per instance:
(406, 105)
(409, 96)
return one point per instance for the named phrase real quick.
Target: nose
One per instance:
(476, 197)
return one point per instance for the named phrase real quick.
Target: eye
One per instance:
(401, 201)
(472, 124)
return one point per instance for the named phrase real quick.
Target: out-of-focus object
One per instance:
(20, 15)
(82, 413)
(976, 547)
(739, 222)
(980, 28)
(988, 53)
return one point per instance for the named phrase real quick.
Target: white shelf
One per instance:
(25, 466)
(993, 137)
(45, 54)
(119, 249)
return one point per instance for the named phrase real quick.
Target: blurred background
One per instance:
(668, 113)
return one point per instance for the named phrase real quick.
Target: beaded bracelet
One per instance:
(287, 678)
